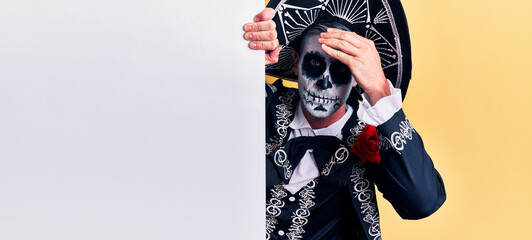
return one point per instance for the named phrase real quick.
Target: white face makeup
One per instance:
(324, 82)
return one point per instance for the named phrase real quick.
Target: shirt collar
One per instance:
(335, 129)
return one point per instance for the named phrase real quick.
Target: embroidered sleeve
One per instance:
(406, 175)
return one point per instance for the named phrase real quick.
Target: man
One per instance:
(322, 155)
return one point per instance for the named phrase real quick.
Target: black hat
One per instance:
(382, 21)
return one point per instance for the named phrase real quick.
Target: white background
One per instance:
(130, 120)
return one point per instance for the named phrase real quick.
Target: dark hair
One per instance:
(318, 27)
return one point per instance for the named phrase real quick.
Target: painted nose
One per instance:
(324, 82)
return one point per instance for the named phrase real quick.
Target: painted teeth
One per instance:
(320, 99)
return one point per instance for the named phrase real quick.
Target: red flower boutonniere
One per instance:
(367, 145)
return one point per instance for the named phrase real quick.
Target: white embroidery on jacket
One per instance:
(283, 114)
(385, 143)
(355, 132)
(300, 216)
(274, 143)
(281, 159)
(339, 157)
(398, 139)
(364, 194)
(273, 208)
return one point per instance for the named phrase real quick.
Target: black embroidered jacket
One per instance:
(341, 203)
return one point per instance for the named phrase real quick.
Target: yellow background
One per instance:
(469, 98)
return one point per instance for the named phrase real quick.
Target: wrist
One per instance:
(374, 95)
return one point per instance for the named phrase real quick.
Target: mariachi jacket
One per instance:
(344, 191)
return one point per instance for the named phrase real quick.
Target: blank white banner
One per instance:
(130, 120)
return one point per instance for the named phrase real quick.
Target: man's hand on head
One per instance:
(262, 35)
(362, 58)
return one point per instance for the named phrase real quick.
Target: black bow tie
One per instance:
(322, 147)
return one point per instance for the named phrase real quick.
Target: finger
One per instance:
(264, 45)
(259, 26)
(341, 45)
(353, 38)
(339, 32)
(339, 55)
(261, 36)
(265, 15)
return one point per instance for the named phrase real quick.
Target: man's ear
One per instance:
(296, 58)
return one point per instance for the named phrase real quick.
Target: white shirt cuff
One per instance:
(383, 110)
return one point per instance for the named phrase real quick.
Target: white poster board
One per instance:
(130, 120)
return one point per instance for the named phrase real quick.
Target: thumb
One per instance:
(273, 56)
(275, 53)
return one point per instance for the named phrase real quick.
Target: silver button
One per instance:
(292, 199)
(281, 232)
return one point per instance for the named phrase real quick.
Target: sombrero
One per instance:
(382, 21)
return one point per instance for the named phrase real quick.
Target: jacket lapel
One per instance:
(281, 113)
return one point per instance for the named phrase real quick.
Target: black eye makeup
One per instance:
(313, 65)
(340, 73)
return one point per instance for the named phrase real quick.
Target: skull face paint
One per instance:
(324, 83)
